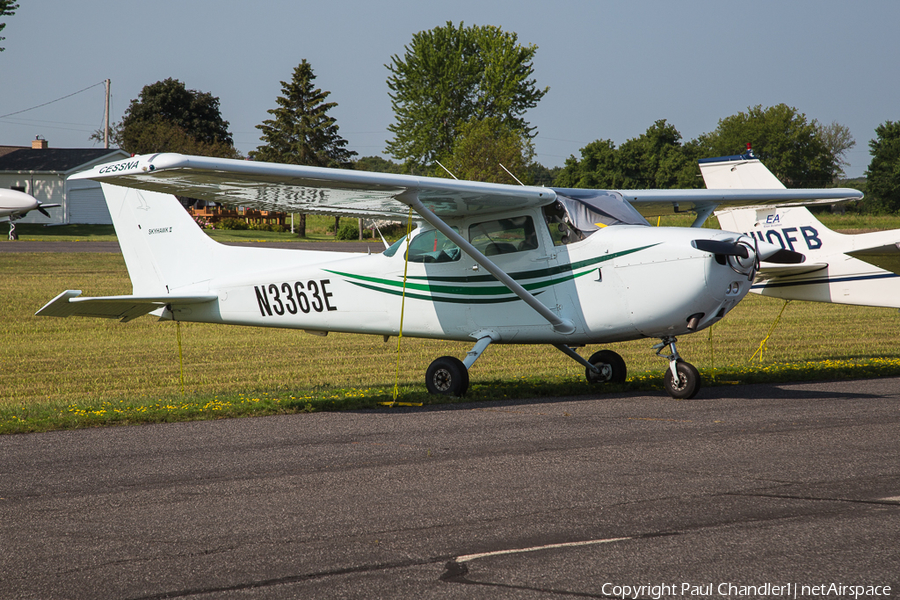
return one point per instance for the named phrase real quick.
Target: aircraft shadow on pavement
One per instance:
(757, 391)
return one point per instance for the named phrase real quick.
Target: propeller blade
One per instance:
(720, 247)
(774, 253)
(43, 211)
(785, 257)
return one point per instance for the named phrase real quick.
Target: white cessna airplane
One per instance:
(15, 205)
(861, 269)
(487, 263)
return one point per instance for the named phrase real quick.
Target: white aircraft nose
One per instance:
(13, 201)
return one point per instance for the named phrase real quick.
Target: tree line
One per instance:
(460, 95)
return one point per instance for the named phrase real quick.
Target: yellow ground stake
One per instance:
(762, 344)
(402, 308)
(180, 354)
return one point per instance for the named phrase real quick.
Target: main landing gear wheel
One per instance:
(447, 376)
(688, 383)
(612, 368)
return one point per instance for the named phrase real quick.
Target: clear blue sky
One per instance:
(613, 68)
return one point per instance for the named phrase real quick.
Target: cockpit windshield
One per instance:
(590, 210)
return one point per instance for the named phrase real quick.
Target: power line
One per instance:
(52, 101)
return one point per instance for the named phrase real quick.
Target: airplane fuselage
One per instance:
(621, 283)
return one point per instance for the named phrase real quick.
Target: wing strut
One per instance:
(560, 325)
(703, 214)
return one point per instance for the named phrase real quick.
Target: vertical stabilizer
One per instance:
(743, 172)
(163, 247)
(794, 228)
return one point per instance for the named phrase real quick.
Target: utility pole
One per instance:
(106, 118)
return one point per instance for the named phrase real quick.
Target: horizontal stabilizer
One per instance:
(125, 308)
(771, 271)
(885, 257)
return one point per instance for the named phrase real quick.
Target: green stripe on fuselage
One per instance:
(480, 294)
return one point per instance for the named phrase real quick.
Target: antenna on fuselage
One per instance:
(448, 170)
(381, 235)
(511, 175)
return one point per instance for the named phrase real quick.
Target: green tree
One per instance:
(791, 147)
(7, 9)
(302, 132)
(378, 164)
(448, 77)
(482, 145)
(167, 117)
(597, 168)
(540, 175)
(655, 159)
(883, 174)
(839, 141)
(163, 136)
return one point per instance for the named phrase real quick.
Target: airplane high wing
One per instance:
(653, 203)
(861, 269)
(293, 188)
(488, 263)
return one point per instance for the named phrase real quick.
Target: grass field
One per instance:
(76, 372)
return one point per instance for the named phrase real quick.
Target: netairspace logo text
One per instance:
(734, 590)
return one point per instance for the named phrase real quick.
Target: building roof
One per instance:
(61, 160)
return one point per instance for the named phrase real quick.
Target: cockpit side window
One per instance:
(561, 229)
(504, 236)
(432, 246)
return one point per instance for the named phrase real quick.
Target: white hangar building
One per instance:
(42, 172)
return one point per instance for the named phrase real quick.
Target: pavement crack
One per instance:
(877, 501)
(290, 579)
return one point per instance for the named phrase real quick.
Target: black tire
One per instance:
(612, 366)
(689, 383)
(447, 376)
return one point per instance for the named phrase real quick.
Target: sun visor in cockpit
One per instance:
(590, 210)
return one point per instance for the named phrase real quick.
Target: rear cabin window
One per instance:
(504, 236)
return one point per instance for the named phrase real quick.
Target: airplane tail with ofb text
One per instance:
(861, 269)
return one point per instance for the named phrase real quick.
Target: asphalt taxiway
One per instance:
(747, 486)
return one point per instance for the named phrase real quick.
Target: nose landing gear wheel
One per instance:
(688, 381)
(447, 376)
(612, 368)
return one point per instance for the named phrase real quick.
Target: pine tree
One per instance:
(7, 9)
(301, 132)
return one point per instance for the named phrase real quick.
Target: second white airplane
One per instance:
(861, 269)
(15, 205)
